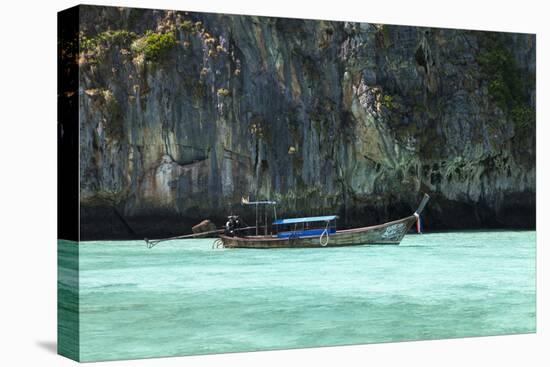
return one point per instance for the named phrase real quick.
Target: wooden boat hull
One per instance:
(390, 233)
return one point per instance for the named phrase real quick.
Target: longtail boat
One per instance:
(320, 232)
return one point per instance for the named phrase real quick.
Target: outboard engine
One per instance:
(233, 223)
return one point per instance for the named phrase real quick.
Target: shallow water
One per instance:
(183, 297)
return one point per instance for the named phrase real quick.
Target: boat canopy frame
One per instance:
(325, 218)
(246, 201)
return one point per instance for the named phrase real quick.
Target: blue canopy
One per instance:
(325, 218)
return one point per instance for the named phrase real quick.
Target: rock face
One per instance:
(182, 114)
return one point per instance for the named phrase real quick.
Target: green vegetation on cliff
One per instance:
(223, 92)
(506, 86)
(93, 48)
(114, 124)
(106, 39)
(154, 45)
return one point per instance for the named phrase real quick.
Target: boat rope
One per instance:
(325, 232)
(218, 243)
(152, 243)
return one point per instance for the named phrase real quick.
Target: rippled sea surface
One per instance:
(183, 297)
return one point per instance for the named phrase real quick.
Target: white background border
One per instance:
(28, 181)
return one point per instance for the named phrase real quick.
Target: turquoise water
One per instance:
(183, 297)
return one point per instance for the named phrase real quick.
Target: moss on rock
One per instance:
(154, 45)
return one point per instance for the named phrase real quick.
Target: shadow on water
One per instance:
(48, 345)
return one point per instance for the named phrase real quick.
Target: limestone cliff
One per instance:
(182, 113)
